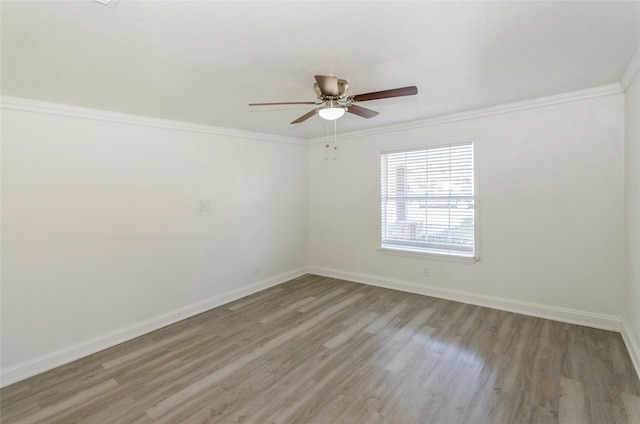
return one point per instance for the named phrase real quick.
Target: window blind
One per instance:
(427, 200)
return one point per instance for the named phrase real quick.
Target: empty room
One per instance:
(320, 212)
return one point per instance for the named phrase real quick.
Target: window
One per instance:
(428, 201)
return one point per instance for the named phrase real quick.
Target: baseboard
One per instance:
(572, 316)
(633, 345)
(55, 359)
(52, 360)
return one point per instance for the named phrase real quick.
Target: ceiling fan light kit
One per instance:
(332, 112)
(333, 101)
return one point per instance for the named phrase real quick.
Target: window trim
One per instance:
(420, 252)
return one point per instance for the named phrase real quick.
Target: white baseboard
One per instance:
(52, 360)
(572, 316)
(632, 343)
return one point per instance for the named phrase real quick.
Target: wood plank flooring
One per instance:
(320, 350)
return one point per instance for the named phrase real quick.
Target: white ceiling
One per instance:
(203, 62)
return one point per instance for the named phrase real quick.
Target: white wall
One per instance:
(632, 196)
(102, 235)
(551, 211)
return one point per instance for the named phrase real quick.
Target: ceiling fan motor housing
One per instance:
(343, 85)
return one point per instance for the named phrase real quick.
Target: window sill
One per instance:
(428, 255)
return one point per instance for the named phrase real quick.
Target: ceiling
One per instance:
(204, 61)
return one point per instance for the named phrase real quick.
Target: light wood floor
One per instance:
(320, 350)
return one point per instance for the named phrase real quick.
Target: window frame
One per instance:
(405, 250)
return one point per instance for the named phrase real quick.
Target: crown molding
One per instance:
(17, 103)
(572, 96)
(36, 106)
(631, 71)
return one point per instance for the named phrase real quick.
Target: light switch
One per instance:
(204, 205)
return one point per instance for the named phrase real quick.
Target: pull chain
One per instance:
(328, 143)
(335, 139)
(326, 136)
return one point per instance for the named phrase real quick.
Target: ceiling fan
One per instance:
(333, 100)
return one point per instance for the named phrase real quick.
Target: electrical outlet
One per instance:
(256, 270)
(426, 272)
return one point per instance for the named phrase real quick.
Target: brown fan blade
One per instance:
(283, 103)
(396, 92)
(328, 85)
(362, 111)
(305, 116)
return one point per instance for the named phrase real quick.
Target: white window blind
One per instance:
(428, 200)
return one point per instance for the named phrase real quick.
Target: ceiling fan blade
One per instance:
(328, 85)
(396, 92)
(305, 116)
(362, 111)
(282, 103)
